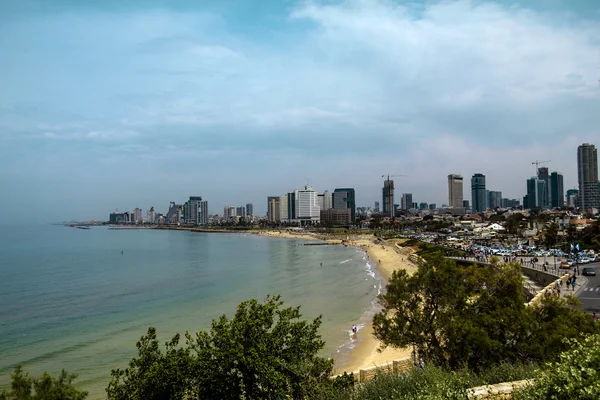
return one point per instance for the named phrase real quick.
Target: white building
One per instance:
(150, 215)
(307, 206)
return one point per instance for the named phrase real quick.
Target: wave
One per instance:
(345, 261)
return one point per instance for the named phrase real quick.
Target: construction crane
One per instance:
(537, 164)
(389, 175)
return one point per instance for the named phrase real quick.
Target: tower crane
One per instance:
(389, 175)
(537, 164)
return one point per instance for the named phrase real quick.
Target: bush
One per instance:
(575, 376)
(431, 382)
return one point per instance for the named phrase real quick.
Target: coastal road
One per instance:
(589, 294)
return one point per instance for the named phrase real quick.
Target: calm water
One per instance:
(70, 299)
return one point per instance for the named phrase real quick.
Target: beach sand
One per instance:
(388, 256)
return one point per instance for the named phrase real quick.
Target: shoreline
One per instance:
(384, 256)
(387, 257)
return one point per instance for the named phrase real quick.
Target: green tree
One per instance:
(571, 233)
(154, 374)
(550, 234)
(45, 387)
(514, 224)
(576, 375)
(264, 351)
(471, 316)
(552, 321)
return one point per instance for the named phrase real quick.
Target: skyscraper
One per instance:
(273, 209)
(494, 199)
(307, 205)
(478, 197)
(388, 198)
(406, 202)
(292, 199)
(557, 191)
(191, 210)
(345, 198)
(249, 210)
(544, 198)
(455, 191)
(587, 175)
(327, 203)
(203, 212)
(572, 195)
(376, 207)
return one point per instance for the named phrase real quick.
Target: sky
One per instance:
(122, 104)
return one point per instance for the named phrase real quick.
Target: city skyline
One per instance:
(127, 104)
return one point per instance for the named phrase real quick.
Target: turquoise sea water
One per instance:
(70, 299)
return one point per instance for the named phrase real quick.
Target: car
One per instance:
(585, 260)
(565, 265)
(588, 271)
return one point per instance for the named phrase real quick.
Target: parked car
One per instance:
(588, 271)
(585, 260)
(565, 264)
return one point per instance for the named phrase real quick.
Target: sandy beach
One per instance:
(388, 256)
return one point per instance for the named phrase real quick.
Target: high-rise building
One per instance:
(345, 198)
(494, 199)
(388, 197)
(191, 210)
(327, 200)
(455, 190)
(273, 209)
(432, 206)
(465, 204)
(572, 197)
(406, 202)
(557, 197)
(292, 199)
(376, 207)
(307, 205)
(150, 215)
(422, 206)
(203, 218)
(137, 216)
(229, 212)
(478, 197)
(175, 213)
(587, 175)
(249, 210)
(240, 211)
(543, 175)
(283, 208)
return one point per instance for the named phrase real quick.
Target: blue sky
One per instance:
(123, 104)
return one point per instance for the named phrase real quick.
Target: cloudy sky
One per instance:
(123, 104)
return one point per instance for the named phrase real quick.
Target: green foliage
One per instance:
(153, 375)
(550, 234)
(553, 320)
(473, 316)
(46, 387)
(265, 351)
(431, 382)
(575, 376)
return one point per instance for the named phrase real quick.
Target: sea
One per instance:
(80, 299)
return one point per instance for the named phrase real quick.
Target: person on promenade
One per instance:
(573, 283)
(594, 317)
